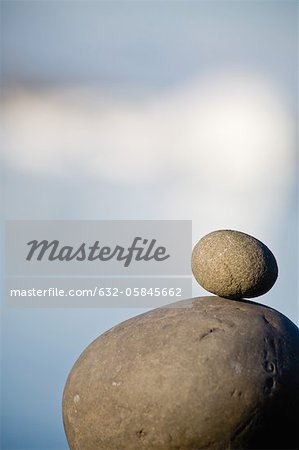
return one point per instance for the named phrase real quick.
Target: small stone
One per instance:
(205, 373)
(234, 265)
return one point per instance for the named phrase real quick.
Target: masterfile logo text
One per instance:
(141, 250)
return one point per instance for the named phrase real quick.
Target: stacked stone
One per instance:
(214, 373)
(234, 265)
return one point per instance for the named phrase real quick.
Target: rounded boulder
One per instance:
(205, 373)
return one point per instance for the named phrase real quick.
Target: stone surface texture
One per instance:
(205, 373)
(232, 264)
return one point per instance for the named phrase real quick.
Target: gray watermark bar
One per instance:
(143, 263)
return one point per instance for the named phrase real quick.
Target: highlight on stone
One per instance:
(234, 265)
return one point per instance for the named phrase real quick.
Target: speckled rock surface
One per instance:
(206, 373)
(233, 264)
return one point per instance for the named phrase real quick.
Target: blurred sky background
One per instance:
(140, 110)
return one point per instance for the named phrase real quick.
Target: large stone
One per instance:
(204, 373)
(233, 264)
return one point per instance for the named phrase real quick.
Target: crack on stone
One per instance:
(208, 333)
(236, 393)
(270, 367)
(244, 426)
(266, 320)
(269, 385)
(141, 434)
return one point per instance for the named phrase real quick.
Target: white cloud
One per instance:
(221, 147)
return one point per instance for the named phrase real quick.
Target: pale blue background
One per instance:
(132, 47)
